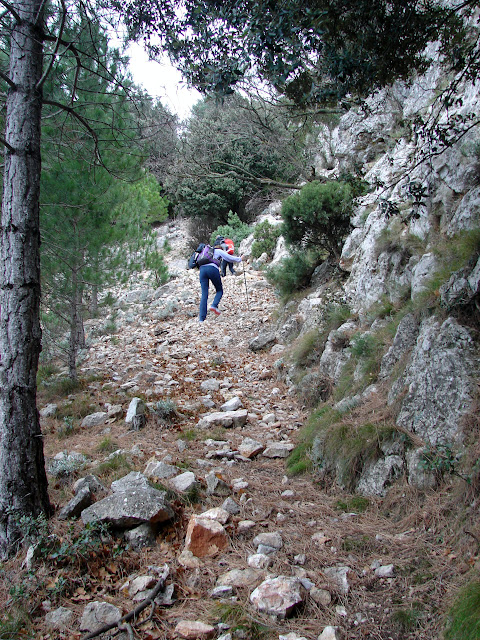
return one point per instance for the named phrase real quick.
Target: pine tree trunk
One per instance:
(93, 306)
(23, 480)
(77, 334)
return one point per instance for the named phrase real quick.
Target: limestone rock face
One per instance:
(404, 340)
(439, 382)
(462, 288)
(377, 476)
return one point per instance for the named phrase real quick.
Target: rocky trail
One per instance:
(286, 557)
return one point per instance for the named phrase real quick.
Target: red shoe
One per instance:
(215, 311)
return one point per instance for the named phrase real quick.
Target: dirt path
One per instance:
(160, 357)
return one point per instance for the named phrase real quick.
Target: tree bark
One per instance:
(77, 333)
(93, 306)
(23, 480)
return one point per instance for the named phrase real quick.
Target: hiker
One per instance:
(229, 247)
(209, 272)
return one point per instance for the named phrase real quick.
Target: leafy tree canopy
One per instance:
(313, 51)
(231, 151)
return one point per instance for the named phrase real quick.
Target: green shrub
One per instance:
(107, 445)
(108, 300)
(364, 365)
(362, 345)
(67, 429)
(155, 262)
(114, 468)
(168, 311)
(393, 238)
(60, 387)
(318, 216)
(265, 239)
(463, 620)
(406, 620)
(299, 461)
(79, 407)
(165, 410)
(292, 273)
(357, 544)
(235, 229)
(357, 504)
(336, 315)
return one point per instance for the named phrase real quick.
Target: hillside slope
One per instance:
(347, 567)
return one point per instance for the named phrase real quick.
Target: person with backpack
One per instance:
(229, 247)
(208, 259)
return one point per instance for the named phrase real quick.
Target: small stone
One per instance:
(135, 408)
(59, 619)
(217, 513)
(188, 560)
(160, 470)
(273, 540)
(279, 596)
(244, 526)
(320, 538)
(231, 506)
(48, 411)
(140, 585)
(194, 629)
(130, 481)
(386, 571)
(184, 482)
(141, 536)
(232, 405)
(259, 561)
(338, 576)
(76, 505)
(239, 578)
(279, 450)
(250, 448)
(94, 419)
(205, 537)
(321, 596)
(216, 486)
(328, 633)
(97, 614)
(222, 591)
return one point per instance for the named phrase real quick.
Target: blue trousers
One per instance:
(209, 273)
(226, 264)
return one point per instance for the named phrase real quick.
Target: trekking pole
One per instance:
(245, 280)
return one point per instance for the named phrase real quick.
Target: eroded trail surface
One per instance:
(351, 565)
